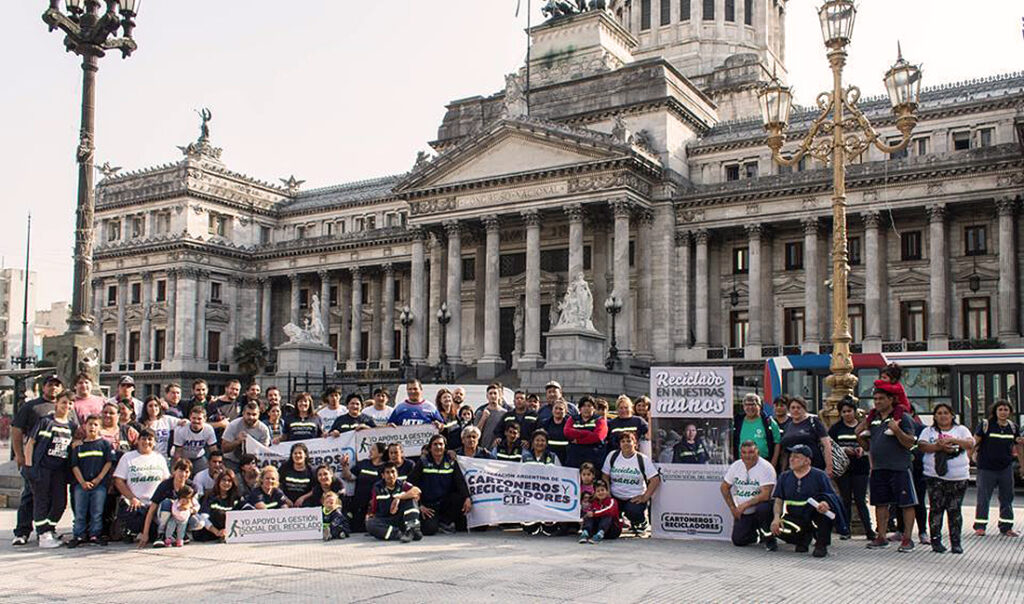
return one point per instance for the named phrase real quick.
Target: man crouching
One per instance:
(801, 510)
(394, 513)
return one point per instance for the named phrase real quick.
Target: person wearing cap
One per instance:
(552, 393)
(126, 392)
(804, 500)
(22, 427)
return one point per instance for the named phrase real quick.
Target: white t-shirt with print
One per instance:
(626, 481)
(746, 484)
(959, 466)
(142, 473)
(193, 444)
(328, 415)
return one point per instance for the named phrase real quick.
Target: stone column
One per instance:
(355, 339)
(624, 322)
(185, 315)
(373, 354)
(418, 301)
(575, 213)
(479, 242)
(645, 274)
(491, 364)
(345, 324)
(232, 294)
(702, 289)
(531, 355)
(145, 352)
(938, 313)
(387, 329)
(293, 314)
(172, 314)
(325, 301)
(454, 336)
(202, 295)
(97, 307)
(1008, 329)
(755, 294)
(683, 292)
(874, 274)
(266, 294)
(122, 331)
(437, 296)
(812, 284)
(598, 272)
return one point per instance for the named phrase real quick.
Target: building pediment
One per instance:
(911, 276)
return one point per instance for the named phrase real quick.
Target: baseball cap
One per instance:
(801, 449)
(126, 379)
(53, 378)
(552, 384)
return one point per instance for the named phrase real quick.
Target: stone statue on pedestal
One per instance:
(514, 104)
(312, 330)
(577, 308)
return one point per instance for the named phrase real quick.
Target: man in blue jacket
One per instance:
(805, 505)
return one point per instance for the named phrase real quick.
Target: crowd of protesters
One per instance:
(168, 469)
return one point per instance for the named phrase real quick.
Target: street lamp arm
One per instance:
(819, 127)
(872, 137)
(56, 19)
(125, 45)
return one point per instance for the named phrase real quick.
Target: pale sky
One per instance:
(345, 90)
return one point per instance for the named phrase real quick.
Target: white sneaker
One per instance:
(48, 541)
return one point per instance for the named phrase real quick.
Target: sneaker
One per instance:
(598, 536)
(73, 542)
(344, 535)
(48, 541)
(1011, 533)
(584, 537)
(448, 528)
(179, 543)
(802, 549)
(872, 536)
(979, 532)
(771, 545)
(102, 540)
(895, 536)
(907, 545)
(937, 547)
(19, 540)
(550, 531)
(956, 549)
(878, 543)
(164, 543)
(406, 537)
(417, 534)
(820, 551)
(923, 539)
(845, 537)
(530, 529)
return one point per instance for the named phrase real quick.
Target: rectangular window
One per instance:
(856, 313)
(215, 291)
(300, 232)
(136, 296)
(111, 295)
(913, 323)
(709, 10)
(901, 154)
(730, 11)
(666, 12)
(684, 10)
(333, 293)
(398, 290)
(910, 245)
(853, 245)
(371, 222)
(162, 223)
(920, 146)
(750, 169)
(138, 226)
(358, 224)
(332, 341)
(364, 294)
(985, 137)
(133, 346)
(218, 225)
(159, 345)
(213, 346)
(740, 260)
(632, 254)
(341, 227)
(976, 318)
(510, 265)
(794, 326)
(739, 328)
(748, 12)
(109, 348)
(645, 15)
(794, 255)
(264, 235)
(961, 141)
(328, 229)
(161, 290)
(304, 297)
(469, 269)
(976, 240)
(732, 172)
(113, 230)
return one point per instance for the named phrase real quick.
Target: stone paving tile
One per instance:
(508, 566)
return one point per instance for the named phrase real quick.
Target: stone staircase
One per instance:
(10, 485)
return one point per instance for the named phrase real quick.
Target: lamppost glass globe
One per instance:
(837, 17)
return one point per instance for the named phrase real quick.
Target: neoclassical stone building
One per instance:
(637, 160)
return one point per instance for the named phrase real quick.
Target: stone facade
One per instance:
(641, 165)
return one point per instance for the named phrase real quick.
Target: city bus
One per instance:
(969, 380)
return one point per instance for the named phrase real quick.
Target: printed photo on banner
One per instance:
(504, 491)
(691, 425)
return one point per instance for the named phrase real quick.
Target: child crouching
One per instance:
(335, 520)
(602, 519)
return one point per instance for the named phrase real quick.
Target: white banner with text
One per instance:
(288, 524)
(503, 491)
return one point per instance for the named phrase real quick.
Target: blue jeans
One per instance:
(175, 530)
(89, 510)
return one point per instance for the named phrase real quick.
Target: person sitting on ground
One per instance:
(601, 520)
(248, 477)
(238, 432)
(353, 419)
(393, 512)
(586, 435)
(335, 520)
(747, 490)
(220, 499)
(195, 440)
(471, 445)
(205, 479)
(509, 448)
(802, 510)
(297, 476)
(632, 478)
(444, 497)
(396, 455)
(326, 482)
(364, 474)
(136, 478)
(183, 509)
(304, 423)
(691, 449)
(269, 496)
(155, 523)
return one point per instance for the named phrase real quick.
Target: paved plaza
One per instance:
(509, 567)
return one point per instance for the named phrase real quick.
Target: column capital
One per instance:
(122, 279)
(147, 275)
(621, 208)
(97, 282)
(645, 217)
(811, 225)
(389, 269)
(937, 212)
(491, 223)
(683, 238)
(1006, 206)
(702, 236)
(531, 217)
(418, 233)
(357, 272)
(236, 280)
(574, 211)
(323, 273)
(453, 228)
(872, 218)
(173, 272)
(755, 230)
(294, 278)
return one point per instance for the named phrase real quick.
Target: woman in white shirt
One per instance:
(946, 446)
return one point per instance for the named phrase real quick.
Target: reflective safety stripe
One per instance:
(992, 434)
(558, 443)
(383, 496)
(847, 437)
(91, 454)
(625, 429)
(438, 471)
(411, 511)
(45, 433)
(387, 535)
(1007, 520)
(271, 505)
(586, 425)
(370, 472)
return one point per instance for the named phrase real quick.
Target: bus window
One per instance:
(926, 387)
(866, 387)
(801, 383)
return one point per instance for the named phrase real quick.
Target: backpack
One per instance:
(639, 461)
(840, 460)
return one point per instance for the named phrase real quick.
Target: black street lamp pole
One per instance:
(406, 319)
(612, 306)
(443, 371)
(89, 34)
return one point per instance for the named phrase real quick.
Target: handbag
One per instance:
(840, 460)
